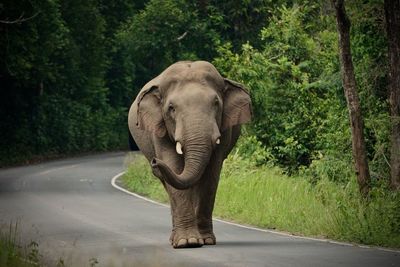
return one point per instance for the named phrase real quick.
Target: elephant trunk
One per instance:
(197, 153)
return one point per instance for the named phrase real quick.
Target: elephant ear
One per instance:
(237, 105)
(149, 110)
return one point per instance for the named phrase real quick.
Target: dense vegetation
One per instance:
(65, 86)
(70, 69)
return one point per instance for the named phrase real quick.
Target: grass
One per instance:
(265, 197)
(140, 179)
(12, 254)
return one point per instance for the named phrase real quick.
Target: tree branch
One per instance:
(20, 19)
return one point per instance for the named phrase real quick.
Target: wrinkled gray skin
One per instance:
(191, 104)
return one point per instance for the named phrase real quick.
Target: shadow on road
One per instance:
(245, 243)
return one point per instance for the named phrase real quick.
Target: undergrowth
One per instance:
(12, 253)
(264, 196)
(140, 179)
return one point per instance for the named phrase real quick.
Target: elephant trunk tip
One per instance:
(169, 176)
(154, 163)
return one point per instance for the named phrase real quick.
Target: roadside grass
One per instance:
(12, 254)
(265, 197)
(139, 178)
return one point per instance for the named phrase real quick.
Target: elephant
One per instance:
(186, 121)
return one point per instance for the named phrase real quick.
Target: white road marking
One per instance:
(57, 169)
(113, 183)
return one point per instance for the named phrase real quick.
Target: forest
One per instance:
(70, 69)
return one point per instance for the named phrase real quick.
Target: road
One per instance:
(69, 207)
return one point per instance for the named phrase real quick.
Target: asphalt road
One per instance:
(70, 208)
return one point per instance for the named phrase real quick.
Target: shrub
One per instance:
(290, 83)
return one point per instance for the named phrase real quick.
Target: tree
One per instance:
(290, 83)
(238, 21)
(54, 96)
(164, 32)
(353, 103)
(392, 14)
(119, 74)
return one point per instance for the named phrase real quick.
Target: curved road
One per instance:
(70, 208)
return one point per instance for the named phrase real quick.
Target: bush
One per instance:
(249, 147)
(64, 126)
(290, 81)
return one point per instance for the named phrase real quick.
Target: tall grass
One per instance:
(12, 254)
(263, 196)
(140, 179)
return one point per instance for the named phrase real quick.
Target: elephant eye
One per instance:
(171, 108)
(216, 101)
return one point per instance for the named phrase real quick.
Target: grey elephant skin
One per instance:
(186, 121)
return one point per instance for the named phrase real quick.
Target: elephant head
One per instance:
(191, 105)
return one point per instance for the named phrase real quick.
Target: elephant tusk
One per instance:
(218, 141)
(179, 148)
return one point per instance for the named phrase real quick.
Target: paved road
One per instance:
(70, 208)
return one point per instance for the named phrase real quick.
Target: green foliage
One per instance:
(238, 21)
(248, 146)
(91, 57)
(370, 58)
(290, 89)
(12, 253)
(75, 127)
(300, 114)
(165, 32)
(119, 74)
(53, 69)
(152, 36)
(265, 197)
(329, 167)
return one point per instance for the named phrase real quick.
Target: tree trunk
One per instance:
(392, 14)
(350, 90)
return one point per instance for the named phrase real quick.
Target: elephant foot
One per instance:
(209, 239)
(171, 238)
(186, 239)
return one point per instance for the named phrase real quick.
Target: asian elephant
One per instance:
(186, 121)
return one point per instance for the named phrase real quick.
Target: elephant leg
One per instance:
(206, 191)
(184, 232)
(207, 187)
(205, 206)
(184, 228)
(171, 238)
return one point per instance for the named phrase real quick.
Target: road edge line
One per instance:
(114, 184)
